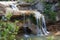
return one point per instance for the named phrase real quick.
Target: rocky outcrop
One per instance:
(2, 9)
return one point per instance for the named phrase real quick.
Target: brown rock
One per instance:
(57, 34)
(2, 9)
(34, 29)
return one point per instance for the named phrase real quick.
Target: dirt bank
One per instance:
(53, 27)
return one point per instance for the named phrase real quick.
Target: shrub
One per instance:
(8, 30)
(48, 12)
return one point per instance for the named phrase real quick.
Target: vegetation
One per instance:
(8, 15)
(8, 30)
(48, 12)
(50, 38)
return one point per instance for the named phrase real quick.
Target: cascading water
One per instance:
(14, 7)
(25, 25)
(40, 31)
(44, 25)
(41, 28)
(37, 16)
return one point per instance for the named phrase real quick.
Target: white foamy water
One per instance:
(43, 29)
(14, 7)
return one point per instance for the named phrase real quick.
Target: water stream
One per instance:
(38, 17)
(25, 25)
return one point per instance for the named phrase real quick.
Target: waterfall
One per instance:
(37, 16)
(41, 28)
(39, 31)
(14, 7)
(42, 31)
(44, 24)
(25, 25)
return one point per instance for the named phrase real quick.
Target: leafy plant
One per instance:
(8, 30)
(48, 12)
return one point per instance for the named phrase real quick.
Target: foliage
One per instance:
(8, 30)
(48, 12)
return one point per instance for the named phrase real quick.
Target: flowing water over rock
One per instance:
(40, 20)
